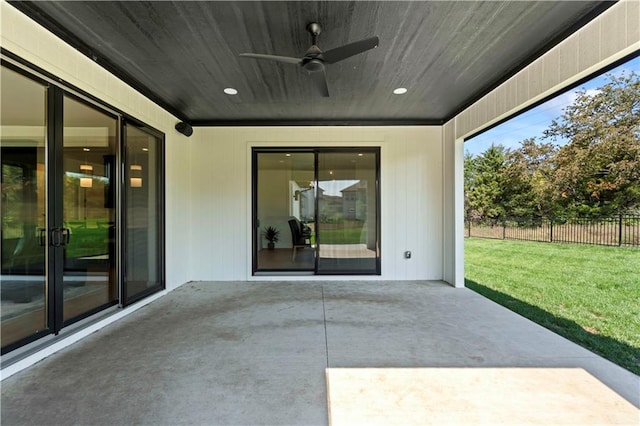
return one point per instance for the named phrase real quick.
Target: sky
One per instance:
(533, 122)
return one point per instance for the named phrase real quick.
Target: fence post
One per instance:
(504, 228)
(469, 227)
(620, 230)
(550, 229)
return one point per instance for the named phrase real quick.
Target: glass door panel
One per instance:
(285, 205)
(143, 213)
(89, 213)
(347, 229)
(23, 149)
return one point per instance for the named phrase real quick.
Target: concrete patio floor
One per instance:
(242, 353)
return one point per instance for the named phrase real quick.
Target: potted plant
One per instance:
(271, 234)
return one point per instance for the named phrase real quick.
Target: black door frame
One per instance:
(125, 298)
(255, 235)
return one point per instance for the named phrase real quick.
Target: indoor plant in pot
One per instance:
(271, 234)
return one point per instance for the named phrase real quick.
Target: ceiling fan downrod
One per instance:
(315, 29)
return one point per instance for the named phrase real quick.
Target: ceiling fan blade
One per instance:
(320, 80)
(348, 50)
(284, 59)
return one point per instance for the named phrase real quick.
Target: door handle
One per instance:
(66, 236)
(42, 236)
(60, 236)
(55, 238)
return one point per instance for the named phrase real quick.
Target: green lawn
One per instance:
(345, 232)
(588, 294)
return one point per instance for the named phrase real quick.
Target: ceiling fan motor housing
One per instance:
(313, 65)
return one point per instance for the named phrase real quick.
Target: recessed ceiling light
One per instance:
(360, 155)
(400, 91)
(288, 155)
(230, 91)
(145, 149)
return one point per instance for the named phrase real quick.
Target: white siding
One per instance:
(609, 37)
(411, 195)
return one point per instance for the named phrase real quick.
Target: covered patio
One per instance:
(257, 353)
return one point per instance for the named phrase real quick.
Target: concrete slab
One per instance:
(473, 396)
(255, 353)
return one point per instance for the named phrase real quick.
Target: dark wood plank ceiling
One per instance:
(182, 54)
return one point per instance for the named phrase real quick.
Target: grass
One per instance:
(344, 232)
(588, 294)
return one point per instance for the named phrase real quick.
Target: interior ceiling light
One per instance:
(400, 91)
(230, 91)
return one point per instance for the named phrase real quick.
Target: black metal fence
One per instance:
(623, 230)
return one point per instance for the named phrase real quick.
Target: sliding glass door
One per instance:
(347, 230)
(23, 155)
(323, 207)
(143, 212)
(88, 209)
(82, 225)
(284, 194)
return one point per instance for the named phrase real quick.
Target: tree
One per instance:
(484, 191)
(598, 171)
(526, 180)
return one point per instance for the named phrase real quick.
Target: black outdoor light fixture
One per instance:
(184, 128)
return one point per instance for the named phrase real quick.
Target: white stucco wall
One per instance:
(411, 195)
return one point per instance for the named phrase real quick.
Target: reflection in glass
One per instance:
(286, 204)
(24, 221)
(143, 212)
(347, 228)
(90, 139)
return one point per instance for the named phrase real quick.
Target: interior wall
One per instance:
(31, 42)
(411, 195)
